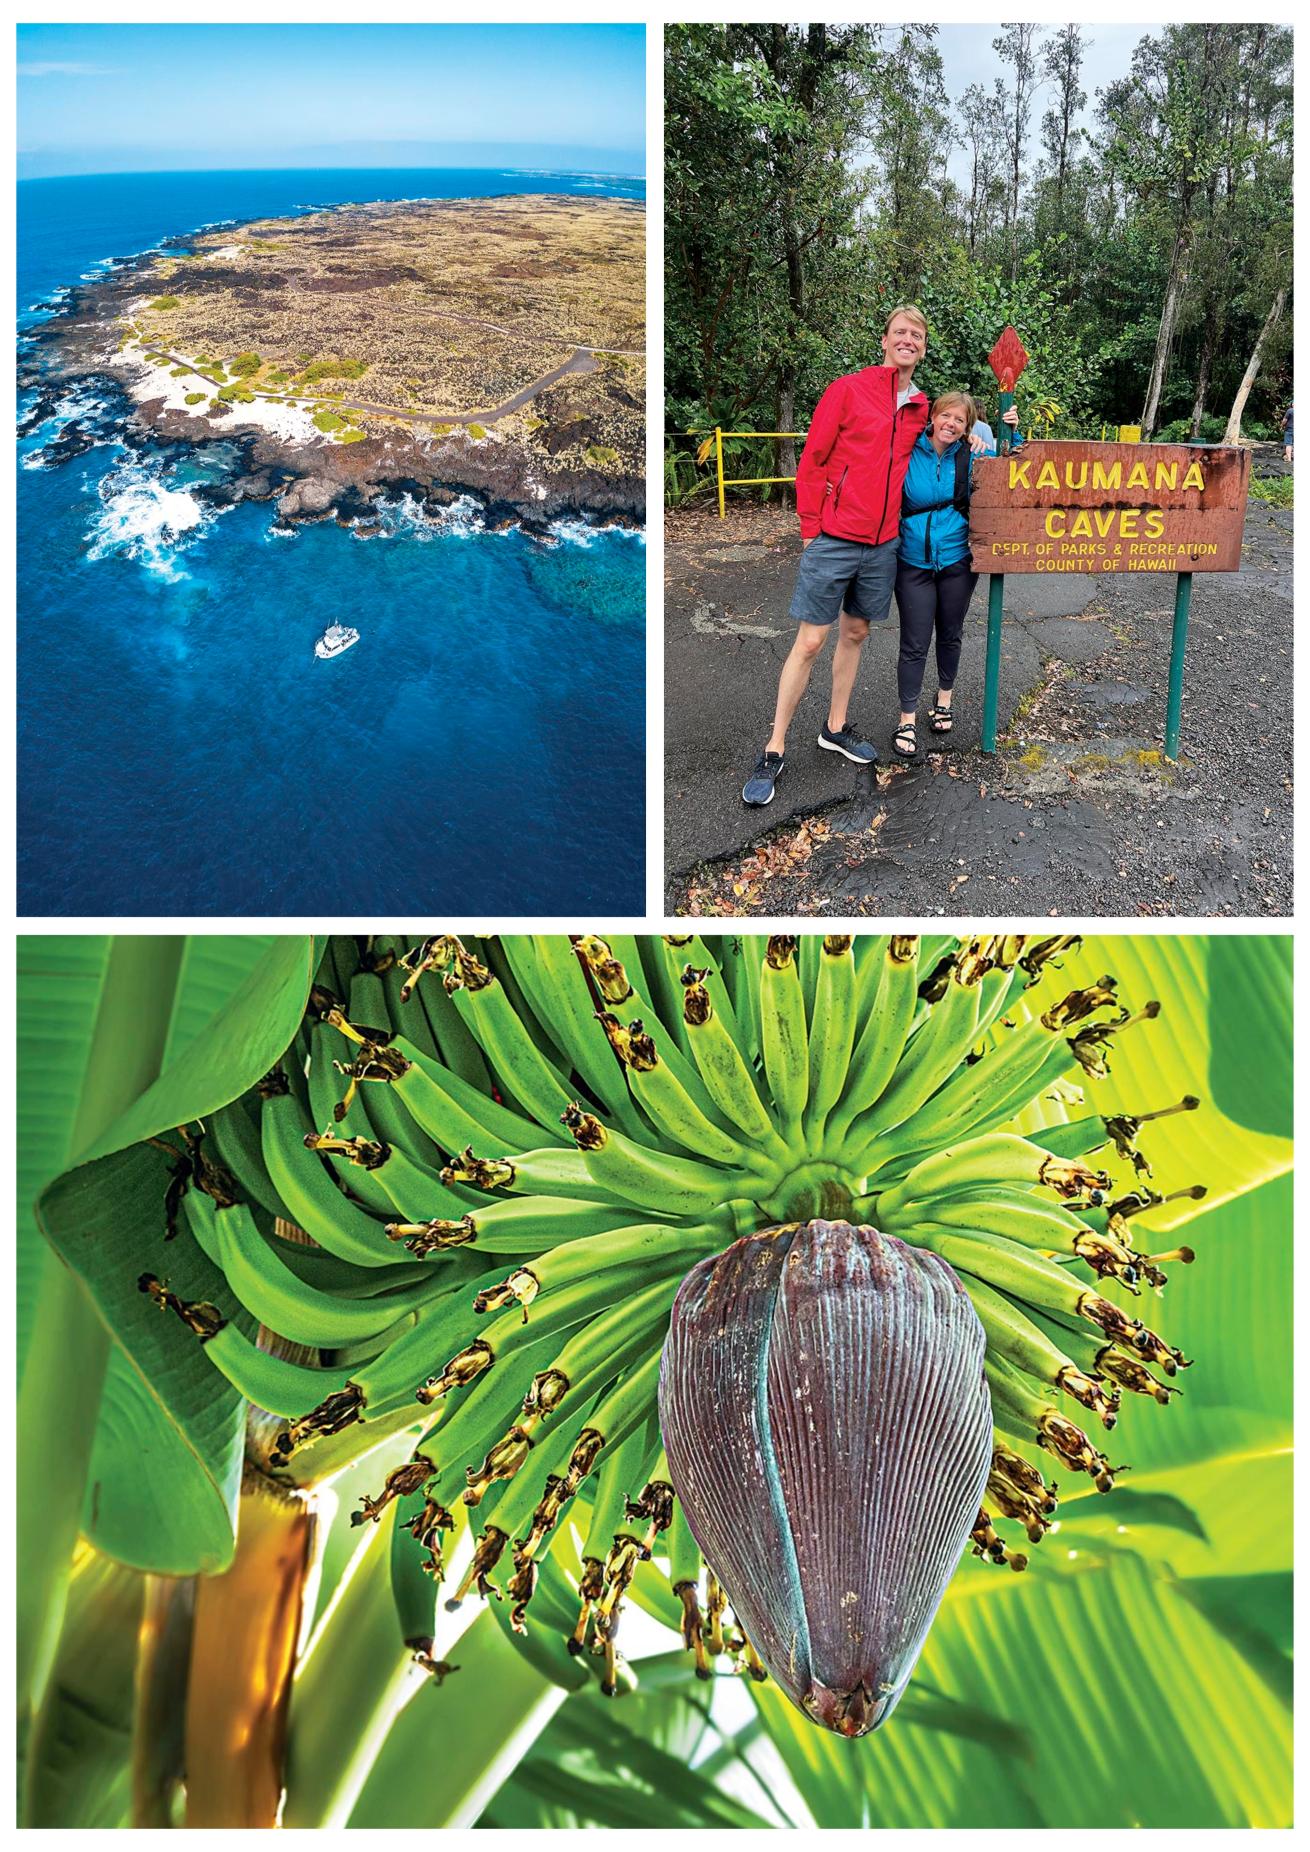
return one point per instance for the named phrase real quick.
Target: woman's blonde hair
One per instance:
(962, 399)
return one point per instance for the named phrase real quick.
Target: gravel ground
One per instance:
(1078, 813)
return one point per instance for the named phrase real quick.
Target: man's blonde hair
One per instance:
(911, 314)
(962, 399)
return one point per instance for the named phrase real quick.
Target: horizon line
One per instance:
(426, 167)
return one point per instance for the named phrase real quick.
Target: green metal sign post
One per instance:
(1174, 711)
(992, 678)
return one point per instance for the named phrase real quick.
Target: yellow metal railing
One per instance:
(741, 482)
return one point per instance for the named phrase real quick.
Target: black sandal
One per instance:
(940, 719)
(905, 732)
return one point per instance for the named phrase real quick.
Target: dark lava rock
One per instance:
(557, 437)
(312, 498)
(253, 488)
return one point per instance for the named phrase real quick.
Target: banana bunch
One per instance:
(463, 1203)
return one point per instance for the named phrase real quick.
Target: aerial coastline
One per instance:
(489, 348)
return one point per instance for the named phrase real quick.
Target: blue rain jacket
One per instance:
(932, 536)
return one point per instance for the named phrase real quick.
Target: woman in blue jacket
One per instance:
(935, 578)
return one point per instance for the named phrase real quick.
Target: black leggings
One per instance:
(930, 602)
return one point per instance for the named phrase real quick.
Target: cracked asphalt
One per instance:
(1078, 813)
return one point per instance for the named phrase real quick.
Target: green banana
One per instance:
(655, 1182)
(618, 988)
(234, 1134)
(995, 1157)
(832, 1030)
(550, 970)
(667, 1105)
(313, 1200)
(880, 1043)
(266, 1286)
(935, 1050)
(639, 1245)
(510, 1050)
(1028, 1221)
(1014, 1336)
(783, 1033)
(724, 1068)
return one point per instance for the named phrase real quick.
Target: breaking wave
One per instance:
(145, 518)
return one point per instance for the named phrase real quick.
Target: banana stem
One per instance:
(450, 1751)
(354, 1678)
(245, 1639)
(159, 1712)
(69, 1348)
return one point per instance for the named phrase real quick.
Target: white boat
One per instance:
(336, 640)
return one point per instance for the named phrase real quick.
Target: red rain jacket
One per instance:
(852, 469)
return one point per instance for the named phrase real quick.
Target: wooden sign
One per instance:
(1075, 507)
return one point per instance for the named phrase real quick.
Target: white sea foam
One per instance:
(145, 519)
(573, 531)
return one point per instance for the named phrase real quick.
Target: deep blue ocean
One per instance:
(181, 750)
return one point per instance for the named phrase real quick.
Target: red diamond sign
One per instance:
(1008, 359)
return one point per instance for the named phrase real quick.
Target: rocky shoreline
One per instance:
(308, 476)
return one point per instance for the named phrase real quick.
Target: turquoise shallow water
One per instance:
(181, 750)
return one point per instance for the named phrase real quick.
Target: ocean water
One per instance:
(180, 748)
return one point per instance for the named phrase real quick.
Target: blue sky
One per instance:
(116, 99)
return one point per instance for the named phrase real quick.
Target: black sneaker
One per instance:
(758, 788)
(848, 743)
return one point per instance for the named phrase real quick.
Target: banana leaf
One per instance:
(1155, 1064)
(166, 1470)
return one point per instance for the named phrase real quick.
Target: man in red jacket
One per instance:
(848, 496)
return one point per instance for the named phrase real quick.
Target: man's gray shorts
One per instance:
(844, 575)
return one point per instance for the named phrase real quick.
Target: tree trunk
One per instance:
(1164, 341)
(1234, 429)
(1203, 375)
(787, 419)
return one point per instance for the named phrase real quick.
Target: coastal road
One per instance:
(581, 360)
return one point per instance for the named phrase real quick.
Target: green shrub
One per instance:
(351, 435)
(329, 421)
(166, 302)
(476, 431)
(195, 398)
(236, 395)
(277, 376)
(179, 372)
(601, 455)
(334, 369)
(244, 365)
(1179, 430)
(1276, 490)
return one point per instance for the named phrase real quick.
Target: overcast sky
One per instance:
(968, 58)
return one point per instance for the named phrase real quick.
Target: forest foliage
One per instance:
(1139, 239)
